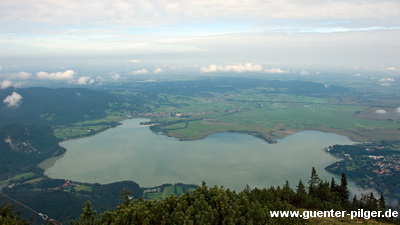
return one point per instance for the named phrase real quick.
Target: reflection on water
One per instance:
(49, 162)
(130, 152)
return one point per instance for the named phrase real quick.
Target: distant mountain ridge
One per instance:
(54, 106)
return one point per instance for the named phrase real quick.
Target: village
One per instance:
(370, 165)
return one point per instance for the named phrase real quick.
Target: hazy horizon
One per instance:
(83, 42)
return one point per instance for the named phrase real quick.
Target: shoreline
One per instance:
(351, 135)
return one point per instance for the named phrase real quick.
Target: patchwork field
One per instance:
(268, 109)
(274, 116)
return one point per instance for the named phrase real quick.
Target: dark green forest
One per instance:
(24, 146)
(218, 205)
(55, 106)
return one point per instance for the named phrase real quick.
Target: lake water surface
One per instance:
(131, 152)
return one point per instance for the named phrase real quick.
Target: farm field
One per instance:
(271, 110)
(273, 115)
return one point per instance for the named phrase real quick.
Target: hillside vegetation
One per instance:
(217, 205)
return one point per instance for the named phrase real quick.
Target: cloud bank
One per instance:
(276, 70)
(142, 71)
(248, 67)
(68, 74)
(155, 12)
(13, 100)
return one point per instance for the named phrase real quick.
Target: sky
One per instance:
(209, 35)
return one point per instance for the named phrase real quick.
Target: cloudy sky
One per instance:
(209, 32)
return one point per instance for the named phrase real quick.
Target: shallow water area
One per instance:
(132, 152)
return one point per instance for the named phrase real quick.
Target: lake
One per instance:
(132, 152)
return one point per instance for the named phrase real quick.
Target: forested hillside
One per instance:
(24, 146)
(54, 106)
(217, 205)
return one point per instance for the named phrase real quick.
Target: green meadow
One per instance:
(273, 115)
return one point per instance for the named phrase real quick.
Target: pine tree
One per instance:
(88, 216)
(334, 187)
(7, 216)
(287, 193)
(301, 189)
(300, 198)
(371, 203)
(382, 202)
(313, 182)
(343, 190)
(355, 204)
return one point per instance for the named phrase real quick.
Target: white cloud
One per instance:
(304, 72)
(158, 70)
(248, 67)
(398, 109)
(156, 12)
(73, 28)
(115, 76)
(384, 80)
(142, 71)
(13, 100)
(85, 80)
(21, 76)
(276, 70)
(380, 111)
(391, 69)
(18, 76)
(68, 74)
(209, 69)
(5, 84)
(385, 84)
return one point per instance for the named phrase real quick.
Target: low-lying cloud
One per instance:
(380, 111)
(384, 80)
(115, 76)
(68, 74)
(5, 84)
(398, 110)
(22, 75)
(157, 71)
(85, 80)
(304, 72)
(13, 100)
(142, 71)
(248, 67)
(19, 76)
(276, 70)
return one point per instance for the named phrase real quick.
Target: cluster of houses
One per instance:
(155, 115)
(66, 186)
(387, 164)
(153, 190)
